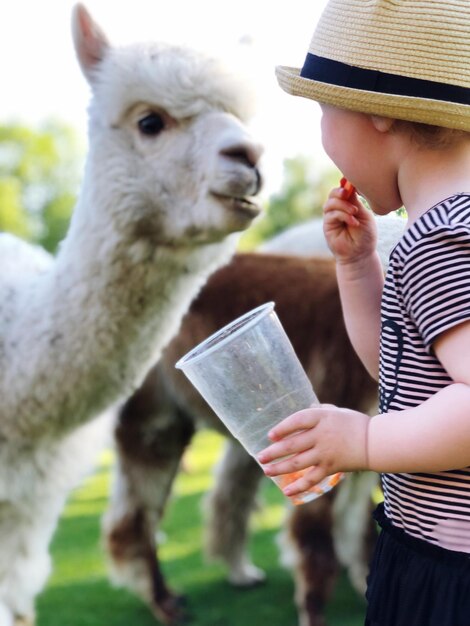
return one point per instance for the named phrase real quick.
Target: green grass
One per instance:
(78, 593)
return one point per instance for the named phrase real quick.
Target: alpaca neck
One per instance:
(101, 316)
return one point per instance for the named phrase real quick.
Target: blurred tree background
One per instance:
(41, 167)
(40, 170)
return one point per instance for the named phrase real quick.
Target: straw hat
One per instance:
(406, 59)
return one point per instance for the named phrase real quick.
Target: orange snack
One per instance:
(323, 487)
(335, 479)
(287, 479)
(348, 187)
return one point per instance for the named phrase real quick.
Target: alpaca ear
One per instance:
(90, 41)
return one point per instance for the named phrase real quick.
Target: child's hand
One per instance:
(326, 439)
(348, 226)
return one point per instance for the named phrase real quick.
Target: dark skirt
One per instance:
(415, 583)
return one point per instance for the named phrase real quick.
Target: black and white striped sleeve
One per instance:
(436, 280)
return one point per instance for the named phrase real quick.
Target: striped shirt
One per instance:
(426, 292)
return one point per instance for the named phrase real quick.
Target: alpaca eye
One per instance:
(151, 124)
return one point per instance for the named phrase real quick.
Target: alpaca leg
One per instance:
(134, 564)
(25, 564)
(228, 510)
(7, 618)
(24, 621)
(354, 528)
(308, 548)
(129, 527)
(148, 457)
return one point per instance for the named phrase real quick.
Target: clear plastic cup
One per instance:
(250, 375)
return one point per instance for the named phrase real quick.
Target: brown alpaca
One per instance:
(157, 423)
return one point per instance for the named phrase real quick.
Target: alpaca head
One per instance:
(169, 152)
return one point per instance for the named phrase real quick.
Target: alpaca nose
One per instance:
(247, 152)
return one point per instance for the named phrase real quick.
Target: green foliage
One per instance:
(39, 174)
(78, 593)
(301, 197)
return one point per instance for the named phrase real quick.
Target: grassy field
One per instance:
(78, 593)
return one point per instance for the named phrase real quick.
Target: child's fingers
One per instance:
(339, 198)
(301, 420)
(335, 218)
(351, 207)
(293, 464)
(293, 444)
(338, 210)
(338, 203)
(337, 192)
(341, 194)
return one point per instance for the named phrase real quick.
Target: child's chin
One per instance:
(382, 210)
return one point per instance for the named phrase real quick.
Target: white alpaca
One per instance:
(168, 175)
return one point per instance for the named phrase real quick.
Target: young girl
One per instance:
(393, 80)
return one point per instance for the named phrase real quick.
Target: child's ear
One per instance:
(382, 124)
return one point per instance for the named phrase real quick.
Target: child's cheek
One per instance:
(332, 145)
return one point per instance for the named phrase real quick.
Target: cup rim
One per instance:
(224, 335)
